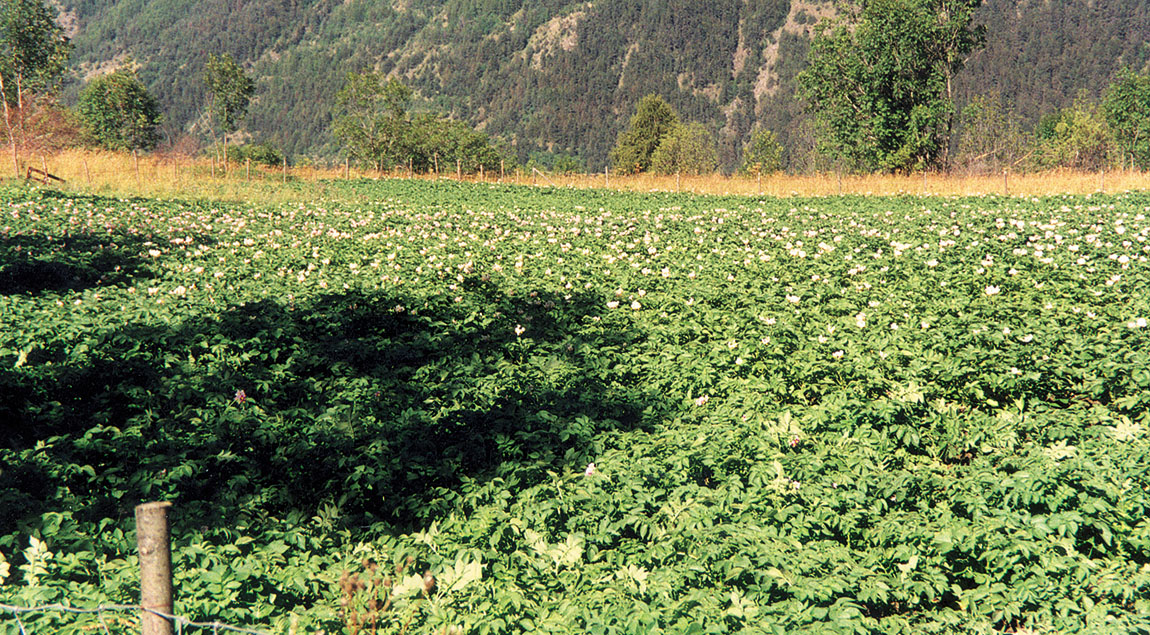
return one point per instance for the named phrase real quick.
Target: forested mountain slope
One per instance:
(557, 76)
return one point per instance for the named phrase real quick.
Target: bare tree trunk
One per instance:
(11, 133)
(949, 124)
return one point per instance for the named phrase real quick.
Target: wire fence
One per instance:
(101, 613)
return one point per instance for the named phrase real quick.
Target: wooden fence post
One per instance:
(346, 168)
(1005, 182)
(136, 164)
(607, 177)
(87, 174)
(459, 169)
(285, 169)
(248, 169)
(154, 544)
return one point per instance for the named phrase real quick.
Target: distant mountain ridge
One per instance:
(553, 76)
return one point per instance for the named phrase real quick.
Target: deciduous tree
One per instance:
(763, 154)
(117, 112)
(33, 51)
(229, 94)
(1075, 137)
(686, 148)
(1126, 105)
(880, 80)
(371, 119)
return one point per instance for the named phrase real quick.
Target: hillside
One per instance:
(557, 76)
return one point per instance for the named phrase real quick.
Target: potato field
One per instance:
(437, 407)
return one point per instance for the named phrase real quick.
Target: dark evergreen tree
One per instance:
(653, 119)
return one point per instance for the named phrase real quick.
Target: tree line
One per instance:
(878, 91)
(373, 118)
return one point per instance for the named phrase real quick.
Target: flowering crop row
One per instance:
(586, 411)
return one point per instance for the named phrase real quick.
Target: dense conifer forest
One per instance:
(552, 77)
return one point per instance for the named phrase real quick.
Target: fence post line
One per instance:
(154, 544)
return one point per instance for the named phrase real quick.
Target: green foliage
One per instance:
(33, 48)
(1126, 105)
(117, 113)
(566, 164)
(1076, 137)
(990, 136)
(880, 81)
(580, 411)
(574, 91)
(653, 119)
(685, 148)
(258, 153)
(763, 155)
(371, 120)
(373, 124)
(229, 92)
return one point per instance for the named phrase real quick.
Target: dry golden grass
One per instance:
(157, 176)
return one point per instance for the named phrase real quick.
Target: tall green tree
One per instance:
(229, 94)
(1126, 105)
(763, 154)
(371, 119)
(117, 112)
(653, 119)
(1076, 137)
(686, 148)
(33, 51)
(881, 81)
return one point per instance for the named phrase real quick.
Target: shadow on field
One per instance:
(75, 258)
(364, 407)
(70, 262)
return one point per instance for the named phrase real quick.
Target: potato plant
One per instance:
(582, 411)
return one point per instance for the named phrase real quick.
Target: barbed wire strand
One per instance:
(178, 620)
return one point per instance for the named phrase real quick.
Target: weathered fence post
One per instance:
(1005, 182)
(285, 169)
(153, 542)
(136, 164)
(607, 177)
(346, 168)
(87, 174)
